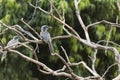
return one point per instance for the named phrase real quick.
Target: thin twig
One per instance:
(61, 37)
(12, 28)
(109, 42)
(3, 31)
(85, 65)
(108, 69)
(63, 16)
(65, 55)
(33, 15)
(30, 27)
(56, 18)
(103, 21)
(55, 9)
(108, 38)
(110, 32)
(62, 69)
(81, 21)
(94, 60)
(32, 60)
(48, 70)
(51, 9)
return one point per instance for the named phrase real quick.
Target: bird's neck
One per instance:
(16, 40)
(44, 31)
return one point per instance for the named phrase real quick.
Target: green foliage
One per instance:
(99, 7)
(72, 59)
(13, 11)
(6, 19)
(15, 68)
(62, 6)
(84, 4)
(74, 46)
(4, 40)
(100, 30)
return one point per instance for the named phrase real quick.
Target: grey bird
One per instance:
(45, 36)
(11, 44)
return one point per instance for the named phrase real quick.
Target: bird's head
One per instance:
(45, 28)
(16, 37)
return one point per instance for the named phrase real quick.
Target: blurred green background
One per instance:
(16, 68)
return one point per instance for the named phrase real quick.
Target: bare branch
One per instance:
(103, 21)
(51, 9)
(69, 27)
(46, 12)
(117, 78)
(92, 45)
(110, 32)
(12, 28)
(32, 60)
(62, 37)
(108, 69)
(109, 42)
(66, 70)
(63, 60)
(44, 66)
(60, 70)
(3, 31)
(118, 4)
(33, 15)
(82, 62)
(66, 55)
(30, 28)
(94, 60)
(98, 46)
(63, 16)
(108, 38)
(93, 78)
(81, 21)
(69, 68)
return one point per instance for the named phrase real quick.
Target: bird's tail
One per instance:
(51, 48)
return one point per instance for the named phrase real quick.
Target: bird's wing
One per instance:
(45, 36)
(12, 43)
(48, 37)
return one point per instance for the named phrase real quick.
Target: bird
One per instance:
(45, 36)
(11, 44)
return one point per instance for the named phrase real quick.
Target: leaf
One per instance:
(74, 44)
(4, 39)
(6, 19)
(84, 4)
(100, 31)
(71, 59)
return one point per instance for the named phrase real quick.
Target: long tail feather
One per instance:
(51, 48)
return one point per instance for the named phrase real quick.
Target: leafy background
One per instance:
(16, 68)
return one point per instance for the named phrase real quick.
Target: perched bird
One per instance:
(11, 44)
(45, 36)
